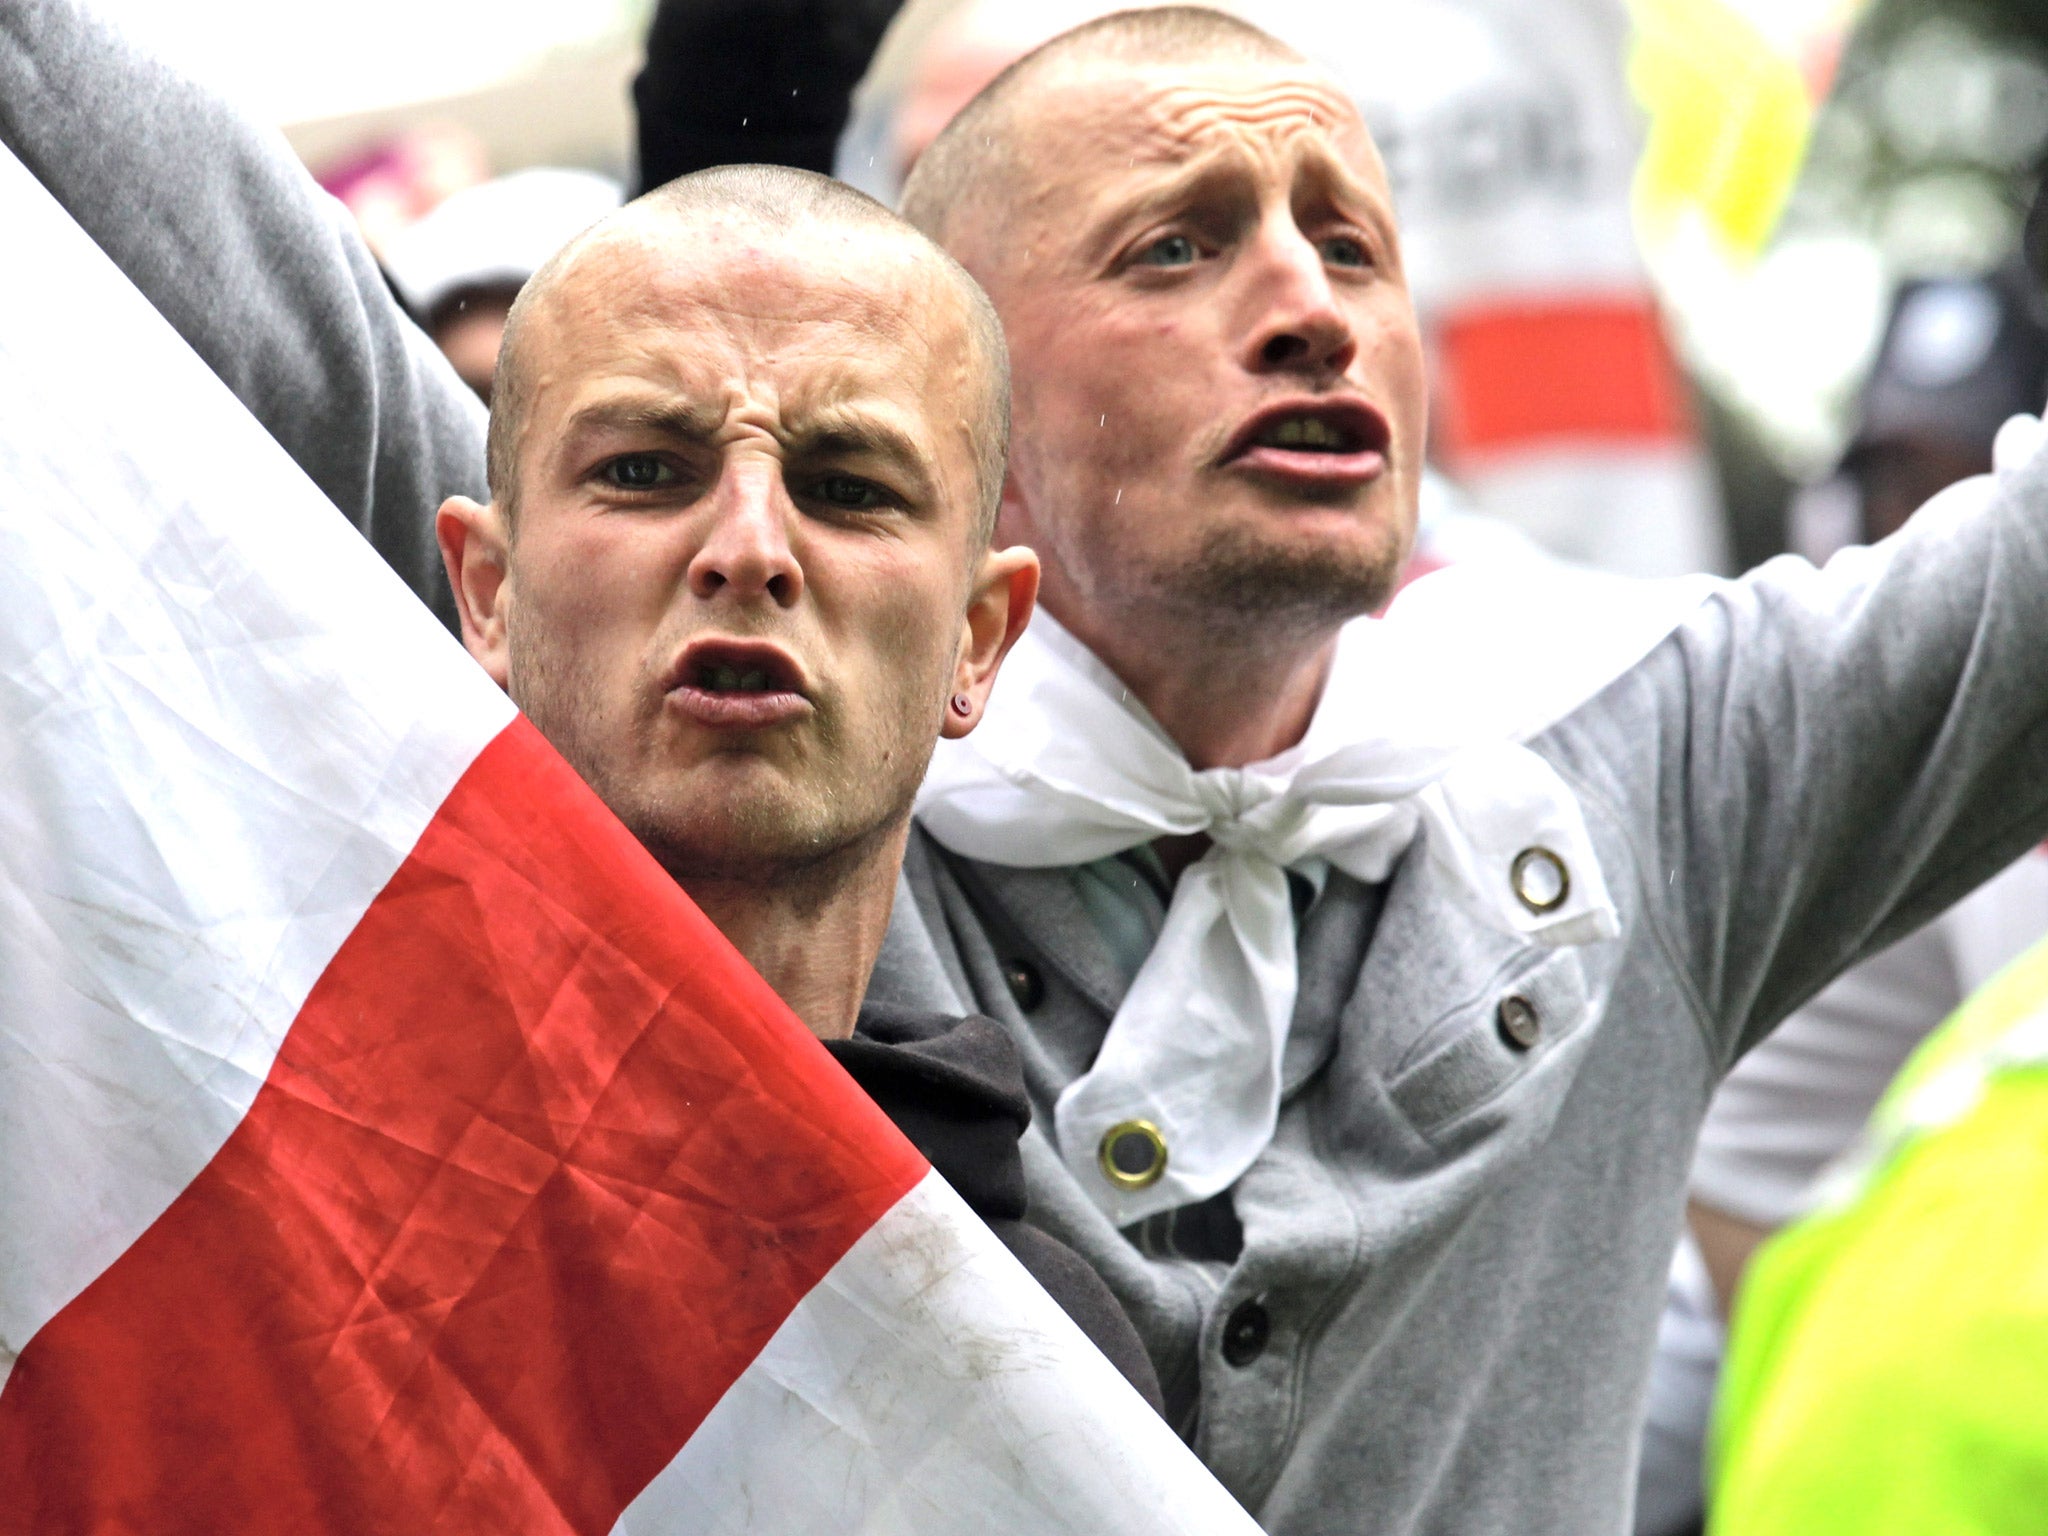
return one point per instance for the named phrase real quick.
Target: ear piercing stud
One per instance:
(963, 706)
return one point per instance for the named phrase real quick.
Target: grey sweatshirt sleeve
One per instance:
(218, 225)
(1820, 761)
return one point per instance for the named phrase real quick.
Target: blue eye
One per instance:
(638, 472)
(1344, 251)
(1168, 251)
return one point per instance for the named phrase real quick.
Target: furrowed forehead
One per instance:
(1132, 134)
(661, 322)
(1183, 112)
(1166, 112)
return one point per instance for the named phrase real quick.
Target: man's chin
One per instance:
(735, 842)
(767, 831)
(1318, 567)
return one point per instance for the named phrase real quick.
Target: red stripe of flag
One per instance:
(540, 1168)
(1565, 371)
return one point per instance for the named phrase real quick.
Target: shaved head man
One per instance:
(1220, 400)
(745, 456)
(1369, 1040)
(744, 462)
(1366, 1059)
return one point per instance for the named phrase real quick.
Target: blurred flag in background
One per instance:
(1730, 88)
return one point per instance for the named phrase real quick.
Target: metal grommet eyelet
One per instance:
(1519, 1023)
(1540, 881)
(1132, 1154)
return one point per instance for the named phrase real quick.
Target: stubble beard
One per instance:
(805, 853)
(1240, 587)
(787, 837)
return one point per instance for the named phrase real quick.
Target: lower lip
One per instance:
(737, 711)
(1312, 468)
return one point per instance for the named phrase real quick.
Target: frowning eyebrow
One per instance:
(675, 419)
(836, 430)
(830, 432)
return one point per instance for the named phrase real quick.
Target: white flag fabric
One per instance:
(386, 1144)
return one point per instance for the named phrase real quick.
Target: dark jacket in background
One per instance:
(955, 1089)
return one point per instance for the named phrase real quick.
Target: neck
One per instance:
(814, 933)
(1225, 696)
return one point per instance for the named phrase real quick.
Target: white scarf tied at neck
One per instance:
(1419, 726)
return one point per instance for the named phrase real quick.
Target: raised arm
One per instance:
(1819, 761)
(218, 225)
(779, 93)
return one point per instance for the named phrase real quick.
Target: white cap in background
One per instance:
(495, 235)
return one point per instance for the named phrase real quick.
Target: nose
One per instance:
(746, 553)
(1297, 323)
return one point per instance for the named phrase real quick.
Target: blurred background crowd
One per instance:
(1672, 252)
(1705, 281)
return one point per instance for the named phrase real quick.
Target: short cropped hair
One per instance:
(976, 158)
(778, 198)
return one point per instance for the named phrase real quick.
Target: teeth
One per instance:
(719, 678)
(1302, 432)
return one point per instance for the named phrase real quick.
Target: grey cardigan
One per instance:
(261, 272)
(1454, 1249)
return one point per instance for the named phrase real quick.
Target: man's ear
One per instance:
(476, 553)
(1005, 592)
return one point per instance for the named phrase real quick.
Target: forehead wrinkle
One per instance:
(1185, 131)
(653, 331)
(1092, 117)
(1182, 113)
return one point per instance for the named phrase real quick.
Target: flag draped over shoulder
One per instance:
(385, 1142)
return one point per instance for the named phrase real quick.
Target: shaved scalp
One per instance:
(973, 165)
(779, 199)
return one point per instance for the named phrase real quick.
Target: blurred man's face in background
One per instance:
(468, 330)
(745, 537)
(967, 50)
(1219, 382)
(1959, 356)
(1897, 477)
(459, 267)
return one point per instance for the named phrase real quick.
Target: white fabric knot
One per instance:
(1068, 768)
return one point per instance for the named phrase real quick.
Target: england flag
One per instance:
(386, 1143)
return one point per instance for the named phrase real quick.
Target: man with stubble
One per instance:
(727, 540)
(1367, 1065)
(735, 566)
(1386, 1154)
(744, 457)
